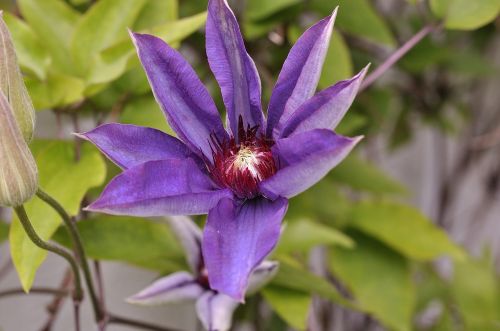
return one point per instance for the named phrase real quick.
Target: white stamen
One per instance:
(246, 159)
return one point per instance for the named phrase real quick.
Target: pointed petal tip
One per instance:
(356, 140)
(333, 15)
(82, 135)
(88, 208)
(134, 300)
(131, 34)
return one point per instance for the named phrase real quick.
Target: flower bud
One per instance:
(12, 84)
(18, 171)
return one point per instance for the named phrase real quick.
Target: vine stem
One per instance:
(35, 238)
(30, 231)
(398, 54)
(80, 251)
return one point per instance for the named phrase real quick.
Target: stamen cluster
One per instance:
(242, 164)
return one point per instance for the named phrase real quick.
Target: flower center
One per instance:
(242, 165)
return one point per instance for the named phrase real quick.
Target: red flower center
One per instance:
(241, 165)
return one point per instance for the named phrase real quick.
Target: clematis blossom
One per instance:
(214, 309)
(241, 176)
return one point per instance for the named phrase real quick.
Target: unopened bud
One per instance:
(18, 171)
(12, 84)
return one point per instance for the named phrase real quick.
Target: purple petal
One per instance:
(325, 109)
(232, 66)
(189, 108)
(300, 74)
(304, 159)
(159, 188)
(215, 311)
(262, 275)
(177, 287)
(189, 235)
(237, 237)
(130, 145)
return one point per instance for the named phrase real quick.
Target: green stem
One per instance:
(30, 231)
(80, 251)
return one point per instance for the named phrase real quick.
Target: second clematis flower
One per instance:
(242, 176)
(214, 309)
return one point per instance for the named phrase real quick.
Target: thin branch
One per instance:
(54, 307)
(35, 290)
(100, 288)
(113, 319)
(397, 55)
(75, 236)
(76, 314)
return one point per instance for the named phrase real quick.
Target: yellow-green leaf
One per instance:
(260, 9)
(292, 306)
(303, 235)
(101, 26)
(141, 242)
(67, 180)
(295, 277)
(465, 14)
(56, 91)
(156, 12)
(114, 60)
(477, 293)
(364, 176)
(405, 229)
(145, 112)
(379, 279)
(53, 21)
(358, 17)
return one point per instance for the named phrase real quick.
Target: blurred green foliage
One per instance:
(78, 60)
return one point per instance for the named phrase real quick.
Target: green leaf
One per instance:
(303, 235)
(32, 55)
(4, 231)
(364, 176)
(56, 91)
(103, 25)
(379, 279)
(405, 229)
(115, 60)
(465, 14)
(293, 276)
(260, 9)
(292, 306)
(476, 291)
(53, 21)
(156, 12)
(145, 112)
(323, 202)
(67, 181)
(137, 241)
(338, 63)
(358, 17)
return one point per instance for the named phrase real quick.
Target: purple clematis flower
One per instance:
(214, 309)
(242, 177)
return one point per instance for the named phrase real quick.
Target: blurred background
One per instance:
(407, 228)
